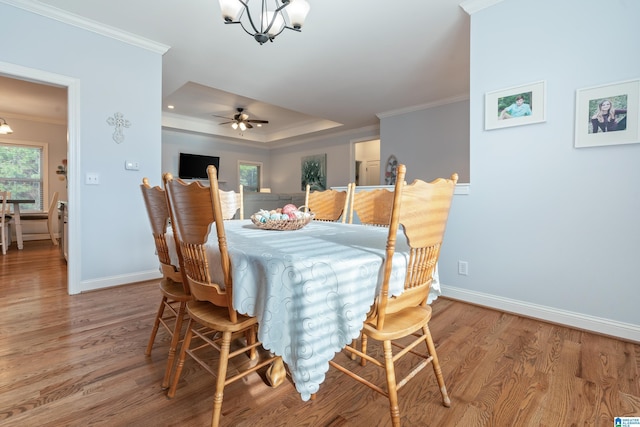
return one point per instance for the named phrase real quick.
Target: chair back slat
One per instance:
(195, 210)
(422, 209)
(155, 201)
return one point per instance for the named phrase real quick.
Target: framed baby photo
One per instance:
(515, 106)
(608, 114)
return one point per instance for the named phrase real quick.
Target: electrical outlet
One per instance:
(463, 268)
(92, 179)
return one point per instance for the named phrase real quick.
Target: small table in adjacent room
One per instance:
(16, 217)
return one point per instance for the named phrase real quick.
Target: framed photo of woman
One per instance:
(608, 114)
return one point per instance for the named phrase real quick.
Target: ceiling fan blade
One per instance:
(222, 117)
(226, 123)
(248, 125)
(258, 121)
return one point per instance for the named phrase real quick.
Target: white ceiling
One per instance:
(353, 62)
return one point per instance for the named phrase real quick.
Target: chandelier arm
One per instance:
(246, 9)
(273, 19)
(242, 26)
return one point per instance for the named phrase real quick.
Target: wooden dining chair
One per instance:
(371, 207)
(48, 217)
(327, 205)
(5, 233)
(213, 321)
(402, 321)
(232, 202)
(173, 288)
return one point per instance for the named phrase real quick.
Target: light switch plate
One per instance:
(132, 165)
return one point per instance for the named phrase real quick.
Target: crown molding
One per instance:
(88, 24)
(421, 107)
(473, 6)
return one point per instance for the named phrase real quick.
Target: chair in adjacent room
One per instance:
(5, 231)
(50, 217)
(327, 205)
(213, 322)
(173, 304)
(402, 321)
(232, 202)
(371, 207)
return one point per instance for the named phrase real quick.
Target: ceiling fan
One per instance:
(241, 120)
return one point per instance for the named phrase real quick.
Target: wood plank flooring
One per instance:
(79, 361)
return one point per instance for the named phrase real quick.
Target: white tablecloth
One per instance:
(310, 289)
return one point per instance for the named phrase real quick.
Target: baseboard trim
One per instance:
(124, 279)
(625, 331)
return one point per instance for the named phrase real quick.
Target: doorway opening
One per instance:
(367, 157)
(43, 81)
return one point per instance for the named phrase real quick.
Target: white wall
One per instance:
(550, 230)
(110, 235)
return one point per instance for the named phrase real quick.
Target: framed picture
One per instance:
(608, 114)
(314, 172)
(515, 106)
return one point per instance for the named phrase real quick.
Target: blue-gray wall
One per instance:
(550, 230)
(432, 142)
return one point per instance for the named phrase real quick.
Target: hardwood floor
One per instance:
(79, 361)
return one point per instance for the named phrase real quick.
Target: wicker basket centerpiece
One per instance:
(270, 220)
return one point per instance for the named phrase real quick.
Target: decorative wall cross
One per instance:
(119, 122)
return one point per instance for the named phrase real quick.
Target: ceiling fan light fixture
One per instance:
(242, 121)
(273, 19)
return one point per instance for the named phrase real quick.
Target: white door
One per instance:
(372, 172)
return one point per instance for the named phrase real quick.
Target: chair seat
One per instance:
(216, 317)
(400, 324)
(174, 290)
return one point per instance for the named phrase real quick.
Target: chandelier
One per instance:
(4, 127)
(283, 14)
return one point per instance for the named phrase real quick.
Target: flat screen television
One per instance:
(194, 166)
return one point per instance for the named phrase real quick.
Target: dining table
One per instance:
(310, 289)
(16, 217)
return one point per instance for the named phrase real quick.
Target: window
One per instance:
(250, 175)
(23, 170)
